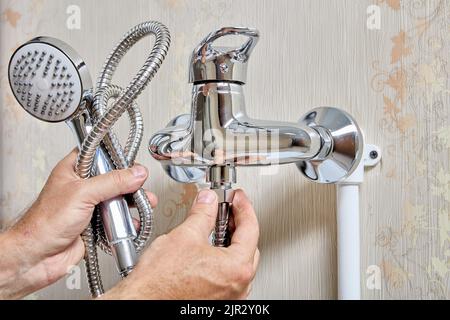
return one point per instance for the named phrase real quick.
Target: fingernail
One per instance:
(206, 196)
(139, 171)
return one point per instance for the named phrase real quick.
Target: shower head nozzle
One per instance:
(48, 79)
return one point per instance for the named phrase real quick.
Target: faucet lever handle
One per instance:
(241, 53)
(209, 63)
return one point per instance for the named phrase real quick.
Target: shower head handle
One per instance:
(213, 63)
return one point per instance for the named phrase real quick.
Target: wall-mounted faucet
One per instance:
(326, 144)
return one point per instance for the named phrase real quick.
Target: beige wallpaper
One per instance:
(412, 83)
(391, 73)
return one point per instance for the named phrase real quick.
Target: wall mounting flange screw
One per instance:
(373, 154)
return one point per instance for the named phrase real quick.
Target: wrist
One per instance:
(10, 267)
(19, 274)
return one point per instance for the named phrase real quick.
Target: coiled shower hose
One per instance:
(105, 118)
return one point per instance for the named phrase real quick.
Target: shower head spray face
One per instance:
(48, 79)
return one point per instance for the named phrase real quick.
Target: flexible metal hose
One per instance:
(101, 133)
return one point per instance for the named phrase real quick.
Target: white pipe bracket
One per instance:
(370, 158)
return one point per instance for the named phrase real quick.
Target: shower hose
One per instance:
(104, 118)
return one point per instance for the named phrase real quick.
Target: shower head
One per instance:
(52, 83)
(49, 79)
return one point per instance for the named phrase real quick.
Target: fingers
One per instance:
(255, 267)
(70, 159)
(77, 249)
(114, 183)
(231, 225)
(67, 164)
(202, 216)
(136, 224)
(151, 197)
(246, 235)
(256, 260)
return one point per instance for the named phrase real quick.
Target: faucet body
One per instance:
(218, 132)
(218, 136)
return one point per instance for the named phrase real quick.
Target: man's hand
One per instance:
(183, 265)
(40, 248)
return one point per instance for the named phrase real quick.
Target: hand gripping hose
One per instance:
(101, 133)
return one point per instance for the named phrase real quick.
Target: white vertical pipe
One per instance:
(348, 242)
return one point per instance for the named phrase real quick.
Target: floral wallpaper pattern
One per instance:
(415, 89)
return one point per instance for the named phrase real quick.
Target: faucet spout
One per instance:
(220, 133)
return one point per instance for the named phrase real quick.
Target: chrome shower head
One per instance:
(49, 79)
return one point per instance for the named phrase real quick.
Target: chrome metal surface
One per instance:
(125, 253)
(213, 63)
(221, 179)
(221, 236)
(220, 133)
(181, 173)
(48, 79)
(221, 175)
(347, 145)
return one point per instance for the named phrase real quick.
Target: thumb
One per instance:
(109, 185)
(202, 216)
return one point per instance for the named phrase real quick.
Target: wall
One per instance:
(393, 80)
